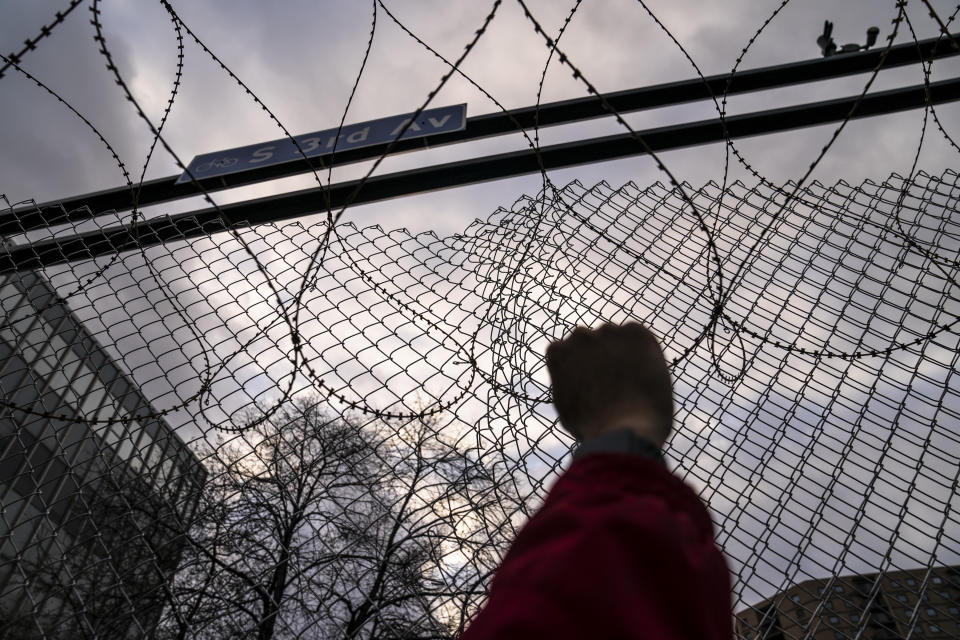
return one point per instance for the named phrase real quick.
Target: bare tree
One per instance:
(313, 525)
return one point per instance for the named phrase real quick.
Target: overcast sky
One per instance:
(302, 59)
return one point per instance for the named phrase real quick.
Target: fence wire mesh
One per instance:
(319, 430)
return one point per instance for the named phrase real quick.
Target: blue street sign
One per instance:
(353, 136)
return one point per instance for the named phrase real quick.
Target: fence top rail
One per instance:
(166, 189)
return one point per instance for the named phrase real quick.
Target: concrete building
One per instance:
(93, 508)
(894, 605)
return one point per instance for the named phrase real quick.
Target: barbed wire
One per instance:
(287, 430)
(30, 44)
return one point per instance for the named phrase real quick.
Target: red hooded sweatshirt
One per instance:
(621, 548)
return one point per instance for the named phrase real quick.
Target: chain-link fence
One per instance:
(329, 431)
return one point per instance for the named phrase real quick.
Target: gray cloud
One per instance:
(303, 61)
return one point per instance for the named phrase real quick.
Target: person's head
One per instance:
(611, 377)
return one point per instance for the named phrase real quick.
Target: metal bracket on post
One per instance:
(829, 48)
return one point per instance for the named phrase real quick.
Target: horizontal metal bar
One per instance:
(203, 222)
(87, 206)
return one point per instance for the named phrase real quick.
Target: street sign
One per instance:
(353, 136)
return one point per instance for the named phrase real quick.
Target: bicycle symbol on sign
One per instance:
(216, 163)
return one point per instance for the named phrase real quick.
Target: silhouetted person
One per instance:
(621, 548)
